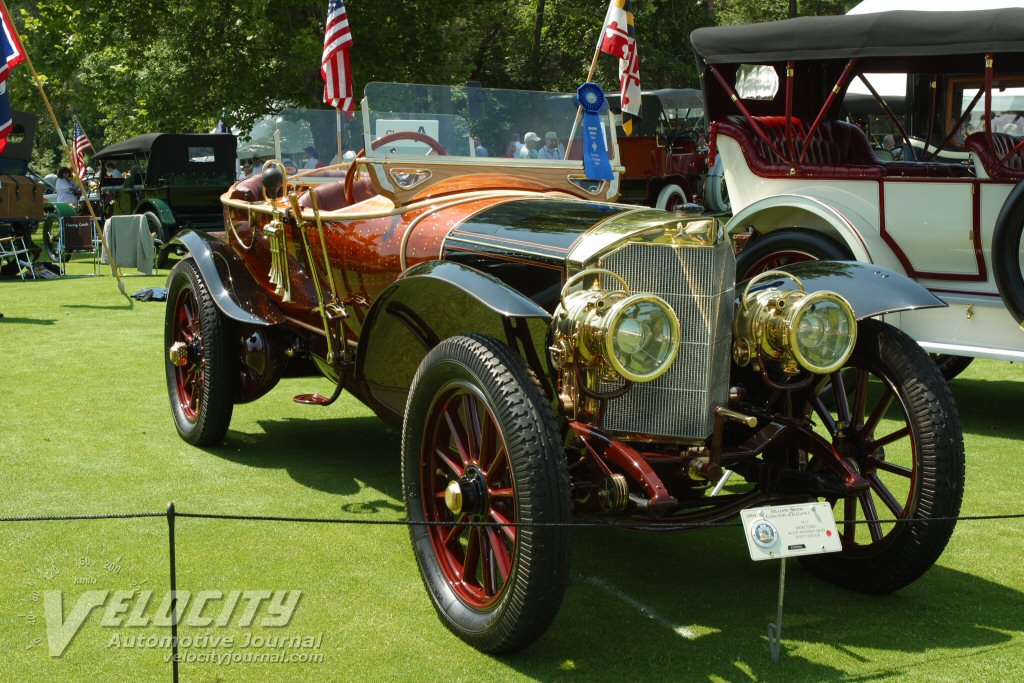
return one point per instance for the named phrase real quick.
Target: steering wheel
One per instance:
(350, 176)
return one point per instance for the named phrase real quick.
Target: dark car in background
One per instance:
(21, 191)
(174, 179)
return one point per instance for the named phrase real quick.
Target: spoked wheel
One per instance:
(784, 247)
(891, 415)
(51, 231)
(480, 445)
(202, 377)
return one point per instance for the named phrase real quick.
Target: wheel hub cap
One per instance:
(453, 497)
(179, 354)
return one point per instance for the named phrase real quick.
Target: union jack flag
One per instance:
(334, 65)
(79, 146)
(619, 39)
(14, 54)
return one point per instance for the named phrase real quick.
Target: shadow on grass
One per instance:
(989, 407)
(327, 456)
(27, 321)
(705, 582)
(128, 304)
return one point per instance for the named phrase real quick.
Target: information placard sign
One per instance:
(790, 530)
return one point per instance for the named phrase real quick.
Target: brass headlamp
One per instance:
(636, 336)
(814, 331)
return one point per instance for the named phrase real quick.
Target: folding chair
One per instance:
(14, 248)
(77, 234)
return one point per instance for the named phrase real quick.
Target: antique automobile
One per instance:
(551, 355)
(174, 179)
(949, 213)
(665, 157)
(21, 191)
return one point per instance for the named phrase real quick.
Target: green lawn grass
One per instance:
(85, 428)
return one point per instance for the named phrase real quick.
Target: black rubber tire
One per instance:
(50, 230)
(215, 358)
(716, 194)
(1006, 252)
(790, 245)
(540, 565)
(907, 550)
(951, 366)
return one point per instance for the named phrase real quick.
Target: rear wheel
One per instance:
(481, 444)
(889, 413)
(671, 198)
(202, 366)
(784, 247)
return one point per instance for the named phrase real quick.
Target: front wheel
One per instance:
(784, 247)
(202, 369)
(892, 417)
(480, 444)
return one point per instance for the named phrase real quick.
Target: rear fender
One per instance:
(234, 290)
(840, 223)
(871, 289)
(434, 301)
(160, 208)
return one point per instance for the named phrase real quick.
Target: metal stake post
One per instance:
(174, 596)
(775, 629)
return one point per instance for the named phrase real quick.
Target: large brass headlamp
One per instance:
(635, 335)
(815, 331)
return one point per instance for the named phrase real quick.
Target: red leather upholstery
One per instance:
(331, 196)
(1010, 169)
(249, 190)
(837, 150)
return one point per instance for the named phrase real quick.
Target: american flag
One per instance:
(79, 146)
(619, 39)
(14, 54)
(334, 66)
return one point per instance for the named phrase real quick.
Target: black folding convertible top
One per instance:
(896, 33)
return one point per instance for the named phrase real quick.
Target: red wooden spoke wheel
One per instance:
(202, 365)
(467, 475)
(480, 444)
(887, 414)
(784, 247)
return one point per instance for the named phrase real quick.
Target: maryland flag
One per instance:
(619, 39)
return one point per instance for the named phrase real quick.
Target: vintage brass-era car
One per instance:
(173, 179)
(944, 205)
(551, 355)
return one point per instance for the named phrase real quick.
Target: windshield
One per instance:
(472, 122)
(301, 138)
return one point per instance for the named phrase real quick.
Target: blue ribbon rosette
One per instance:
(595, 154)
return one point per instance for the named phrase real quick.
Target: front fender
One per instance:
(62, 209)
(871, 289)
(840, 222)
(431, 302)
(161, 209)
(236, 293)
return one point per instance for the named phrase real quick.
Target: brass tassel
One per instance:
(279, 260)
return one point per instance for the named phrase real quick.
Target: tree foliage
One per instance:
(126, 68)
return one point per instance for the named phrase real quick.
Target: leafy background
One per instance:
(125, 68)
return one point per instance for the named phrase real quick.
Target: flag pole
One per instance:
(74, 167)
(337, 120)
(579, 108)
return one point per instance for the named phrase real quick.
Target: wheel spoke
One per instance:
(472, 556)
(451, 417)
(885, 494)
(867, 504)
(884, 402)
(509, 531)
(451, 464)
(456, 530)
(849, 515)
(839, 392)
(500, 553)
(501, 493)
(488, 442)
(892, 467)
(823, 413)
(497, 466)
(487, 581)
(895, 436)
(472, 423)
(860, 397)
